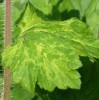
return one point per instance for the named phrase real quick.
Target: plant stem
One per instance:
(6, 84)
(7, 43)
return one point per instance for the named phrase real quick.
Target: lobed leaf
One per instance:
(47, 53)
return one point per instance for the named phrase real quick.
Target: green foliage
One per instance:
(46, 54)
(88, 9)
(18, 93)
(1, 30)
(45, 6)
(89, 88)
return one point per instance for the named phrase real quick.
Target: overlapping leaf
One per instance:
(87, 8)
(47, 53)
(44, 6)
(18, 93)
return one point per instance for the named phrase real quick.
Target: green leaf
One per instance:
(1, 29)
(20, 4)
(87, 8)
(29, 13)
(18, 93)
(47, 53)
(89, 88)
(15, 14)
(17, 8)
(44, 6)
